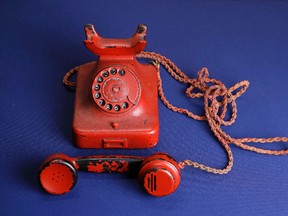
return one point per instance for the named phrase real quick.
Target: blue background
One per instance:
(236, 40)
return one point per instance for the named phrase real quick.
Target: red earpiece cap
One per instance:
(160, 175)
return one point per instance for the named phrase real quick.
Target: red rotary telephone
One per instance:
(116, 107)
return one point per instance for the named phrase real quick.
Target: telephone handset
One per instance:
(159, 173)
(116, 102)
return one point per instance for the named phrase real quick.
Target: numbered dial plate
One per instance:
(115, 89)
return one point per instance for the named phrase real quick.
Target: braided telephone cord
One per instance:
(215, 109)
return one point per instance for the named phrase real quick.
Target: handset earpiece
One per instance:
(58, 174)
(159, 174)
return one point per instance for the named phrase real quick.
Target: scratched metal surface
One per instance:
(236, 40)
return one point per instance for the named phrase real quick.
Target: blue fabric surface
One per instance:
(236, 40)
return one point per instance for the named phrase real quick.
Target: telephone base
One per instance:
(136, 128)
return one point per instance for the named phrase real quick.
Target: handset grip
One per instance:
(109, 164)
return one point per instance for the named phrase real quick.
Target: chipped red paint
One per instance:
(115, 163)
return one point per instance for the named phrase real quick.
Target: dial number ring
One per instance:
(115, 89)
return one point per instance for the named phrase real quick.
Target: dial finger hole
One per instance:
(108, 107)
(97, 95)
(97, 87)
(101, 102)
(113, 71)
(116, 107)
(121, 72)
(105, 74)
(100, 79)
(124, 105)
